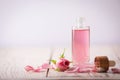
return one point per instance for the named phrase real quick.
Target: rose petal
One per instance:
(37, 70)
(29, 68)
(115, 70)
(45, 66)
(83, 68)
(78, 70)
(66, 63)
(40, 68)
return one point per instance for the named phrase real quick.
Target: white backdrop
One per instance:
(49, 22)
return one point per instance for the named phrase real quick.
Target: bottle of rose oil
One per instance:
(80, 43)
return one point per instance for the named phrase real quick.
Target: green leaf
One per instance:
(53, 61)
(57, 69)
(62, 55)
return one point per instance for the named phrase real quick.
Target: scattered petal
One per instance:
(37, 70)
(45, 66)
(83, 68)
(115, 70)
(29, 68)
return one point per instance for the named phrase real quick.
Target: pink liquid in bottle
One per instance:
(80, 45)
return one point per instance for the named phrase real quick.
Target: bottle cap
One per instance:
(80, 22)
(103, 63)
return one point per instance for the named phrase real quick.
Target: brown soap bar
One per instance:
(102, 63)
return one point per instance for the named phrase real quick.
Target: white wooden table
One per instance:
(13, 61)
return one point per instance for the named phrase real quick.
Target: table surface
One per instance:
(14, 59)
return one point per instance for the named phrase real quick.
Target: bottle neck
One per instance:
(85, 27)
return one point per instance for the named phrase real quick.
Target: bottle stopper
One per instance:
(102, 63)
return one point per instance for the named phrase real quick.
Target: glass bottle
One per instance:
(80, 43)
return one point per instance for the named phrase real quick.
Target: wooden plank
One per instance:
(13, 61)
(54, 75)
(104, 76)
(63, 75)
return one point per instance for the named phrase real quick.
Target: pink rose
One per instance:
(62, 64)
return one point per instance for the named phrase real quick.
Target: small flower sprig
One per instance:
(61, 64)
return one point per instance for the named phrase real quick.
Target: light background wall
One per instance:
(48, 23)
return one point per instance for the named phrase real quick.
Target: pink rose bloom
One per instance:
(62, 64)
